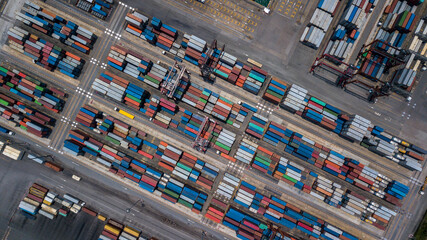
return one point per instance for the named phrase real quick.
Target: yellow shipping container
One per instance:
(47, 203)
(102, 218)
(37, 192)
(31, 201)
(132, 231)
(405, 144)
(112, 229)
(402, 150)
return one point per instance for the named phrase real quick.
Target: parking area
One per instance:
(235, 15)
(290, 8)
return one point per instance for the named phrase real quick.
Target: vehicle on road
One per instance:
(126, 114)
(423, 187)
(75, 177)
(7, 131)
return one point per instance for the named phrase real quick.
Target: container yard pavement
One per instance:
(98, 191)
(276, 45)
(92, 71)
(293, 196)
(280, 116)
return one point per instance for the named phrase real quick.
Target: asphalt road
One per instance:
(268, 48)
(98, 191)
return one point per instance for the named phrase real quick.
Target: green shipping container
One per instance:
(256, 127)
(262, 161)
(274, 94)
(3, 69)
(331, 112)
(258, 78)
(317, 101)
(3, 102)
(289, 178)
(229, 122)
(402, 18)
(185, 203)
(151, 79)
(171, 193)
(133, 98)
(184, 167)
(112, 140)
(221, 74)
(222, 146)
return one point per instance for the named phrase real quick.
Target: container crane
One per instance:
(209, 62)
(201, 144)
(169, 86)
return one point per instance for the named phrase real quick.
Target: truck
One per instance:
(7, 131)
(423, 187)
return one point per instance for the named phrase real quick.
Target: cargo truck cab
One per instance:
(421, 192)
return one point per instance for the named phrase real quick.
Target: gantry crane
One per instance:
(209, 61)
(201, 143)
(173, 79)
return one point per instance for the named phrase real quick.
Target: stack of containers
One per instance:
(383, 216)
(225, 141)
(194, 48)
(99, 8)
(405, 21)
(355, 128)
(245, 194)
(130, 233)
(295, 98)
(397, 189)
(257, 126)
(246, 151)
(275, 91)
(255, 80)
(383, 148)
(32, 89)
(87, 116)
(150, 179)
(70, 33)
(265, 160)
(156, 75)
(225, 67)
(404, 77)
(214, 212)
(245, 226)
(373, 67)
(274, 134)
(166, 37)
(44, 53)
(320, 22)
(33, 200)
(169, 160)
(291, 173)
(354, 204)
(312, 36)
(162, 120)
(192, 95)
(222, 108)
(175, 191)
(237, 117)
(73, 147)
(112, 229)
(152, 105)
(227, 186)
(137, 20)
(28, 119)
